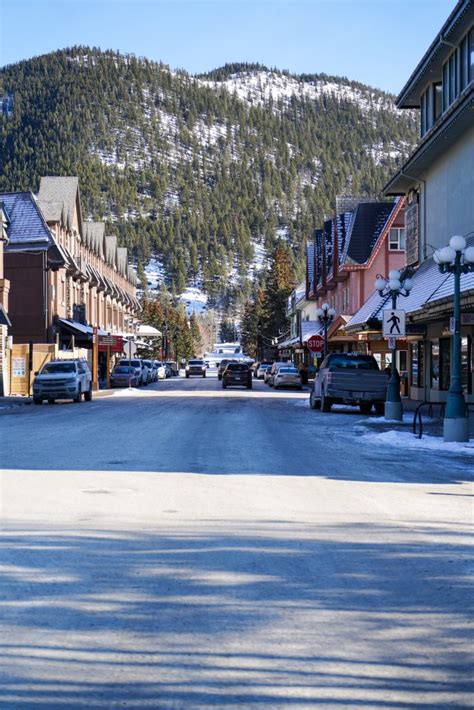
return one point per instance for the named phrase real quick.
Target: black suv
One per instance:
(222, 365)
(237, 373)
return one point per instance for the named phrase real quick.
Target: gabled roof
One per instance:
(26, 227)
(58, 197)
(94, 234)
(367, 226)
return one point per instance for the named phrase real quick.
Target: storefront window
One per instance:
(444, 363)
(434, 379)
(417, 364)
(466, 371)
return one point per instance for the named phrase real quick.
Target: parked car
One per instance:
(150, 371)
(287, 377)
(349, 378)
(262, 367)
(139, 368)
(196, 367)
(124, 376)
(63, 379)
(270, 374)
(160, 370)
(173, 367)
(237, 373)
(222, 365)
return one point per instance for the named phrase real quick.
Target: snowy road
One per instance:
(187, 547)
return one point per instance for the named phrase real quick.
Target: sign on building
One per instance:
(394, 323)
(19, 366)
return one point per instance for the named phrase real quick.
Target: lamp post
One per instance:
(456, 259)
(393, 287)
(325, 316)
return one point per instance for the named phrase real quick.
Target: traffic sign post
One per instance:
(315, 344)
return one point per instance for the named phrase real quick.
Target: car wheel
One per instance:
(219, 377)
(51, 400)
(37, 400)
(365, 407)
(313, 402)
(326, 403)
(204, 374)
(88, 394)
(224, 386)
(249, 386)
(187, 376)
(77, 398)
(276, 387)
(380, 408)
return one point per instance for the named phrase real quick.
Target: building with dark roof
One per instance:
(5, 322)
(363, 238)
(66, 275)
(437, 181)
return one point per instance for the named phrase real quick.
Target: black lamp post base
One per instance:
(456, 429)
(394, 411)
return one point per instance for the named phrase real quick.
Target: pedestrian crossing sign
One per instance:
(393, 323)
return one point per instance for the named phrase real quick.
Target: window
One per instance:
(471, 53)
(437, 100)
(444, 363)
(445, 87)
(466, 357)
(434, 378)
(417, 364)
(464, 59)
(396, 240)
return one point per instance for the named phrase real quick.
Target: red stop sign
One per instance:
(316, 343)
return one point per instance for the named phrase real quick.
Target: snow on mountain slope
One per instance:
(258, 88)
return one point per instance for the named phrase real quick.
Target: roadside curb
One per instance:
(12, 401)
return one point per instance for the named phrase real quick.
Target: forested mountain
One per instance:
(203, 173)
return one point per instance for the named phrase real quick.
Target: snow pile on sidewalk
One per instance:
(406, 440)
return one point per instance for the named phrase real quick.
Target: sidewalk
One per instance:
(431, 426)
(21, 400)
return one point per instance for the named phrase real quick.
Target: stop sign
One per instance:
(316, 343)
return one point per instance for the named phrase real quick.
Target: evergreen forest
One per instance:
(191, 171)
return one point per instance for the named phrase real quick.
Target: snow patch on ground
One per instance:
(404, 439)
(155, 273)
(194, 300)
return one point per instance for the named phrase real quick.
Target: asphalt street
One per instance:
(187, 547)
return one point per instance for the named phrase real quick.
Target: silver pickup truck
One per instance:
(349, 378)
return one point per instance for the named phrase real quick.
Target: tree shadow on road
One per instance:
(255, 614)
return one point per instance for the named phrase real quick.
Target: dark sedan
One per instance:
(122, 376)
(237, 374)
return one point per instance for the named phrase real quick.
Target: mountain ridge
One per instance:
(196, 172)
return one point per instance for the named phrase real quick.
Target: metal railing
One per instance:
(418, 420)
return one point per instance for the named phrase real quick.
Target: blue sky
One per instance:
(378, 42)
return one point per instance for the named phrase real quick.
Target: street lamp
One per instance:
(325, 316)
(456, 259)
(393, 287)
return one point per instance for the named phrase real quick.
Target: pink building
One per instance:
(364, 239)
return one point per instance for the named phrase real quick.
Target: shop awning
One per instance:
(288, 343)
(80, 329)
(430, 290)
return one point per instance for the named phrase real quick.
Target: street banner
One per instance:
(394, 323)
